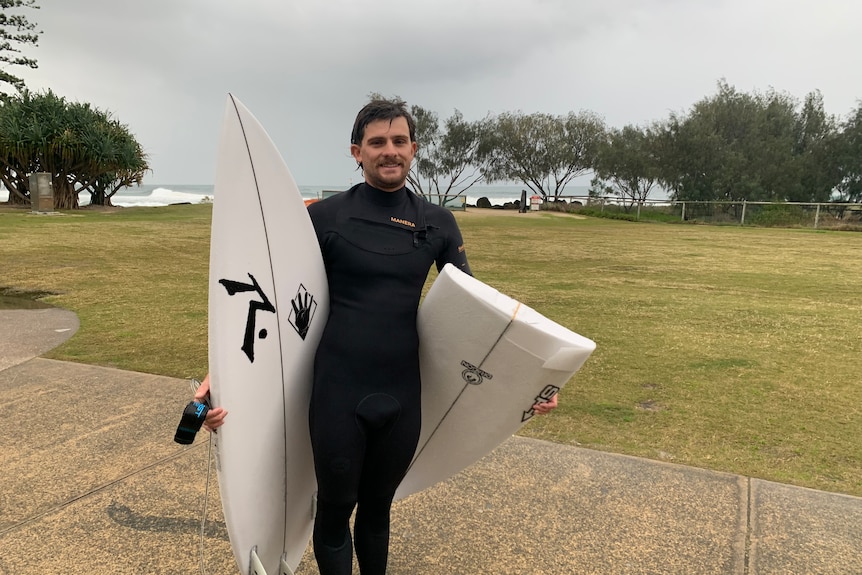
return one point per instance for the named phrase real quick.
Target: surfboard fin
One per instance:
(255, 567)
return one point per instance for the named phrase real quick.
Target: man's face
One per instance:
(386, 153)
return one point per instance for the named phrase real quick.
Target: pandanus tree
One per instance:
(83, 148)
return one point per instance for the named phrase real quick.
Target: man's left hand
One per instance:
(546, 407)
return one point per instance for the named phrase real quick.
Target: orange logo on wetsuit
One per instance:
(402, 222)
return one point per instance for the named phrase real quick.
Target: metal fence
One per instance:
(764, 214)
(455, 203)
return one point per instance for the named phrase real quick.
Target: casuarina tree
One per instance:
(16, 32)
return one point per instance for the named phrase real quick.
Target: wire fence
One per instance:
(457, 203)
(764, 214)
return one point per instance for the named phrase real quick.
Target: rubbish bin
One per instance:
(535, 202)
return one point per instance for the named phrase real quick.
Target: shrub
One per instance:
(781, 215)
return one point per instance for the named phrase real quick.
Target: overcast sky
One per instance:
(304, 67)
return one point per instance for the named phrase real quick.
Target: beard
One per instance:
(387, 177)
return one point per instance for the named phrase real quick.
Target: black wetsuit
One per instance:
(365, 408)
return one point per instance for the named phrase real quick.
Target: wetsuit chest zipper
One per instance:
(360, 231)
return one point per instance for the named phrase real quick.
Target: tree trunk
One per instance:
(17, 192)
(98, 198)
(17, 199)
(65, 197)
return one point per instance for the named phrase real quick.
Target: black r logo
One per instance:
(234, 287)
(304, 306)
(473, 375)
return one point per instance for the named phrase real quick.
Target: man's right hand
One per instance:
(215, 416)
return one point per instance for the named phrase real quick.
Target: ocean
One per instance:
(166, 194)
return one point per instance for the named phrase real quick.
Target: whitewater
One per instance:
(168, 194)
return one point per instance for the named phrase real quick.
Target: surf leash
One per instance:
(201, 552)
(206, 501)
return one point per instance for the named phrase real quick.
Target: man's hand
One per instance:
(542, 408)
(215, 416)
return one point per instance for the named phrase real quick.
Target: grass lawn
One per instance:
(728, 348)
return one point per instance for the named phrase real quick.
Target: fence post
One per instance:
(639, 211)
(817, 216)
(683, 211)
(742, 223)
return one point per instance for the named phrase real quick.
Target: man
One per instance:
(378, 241)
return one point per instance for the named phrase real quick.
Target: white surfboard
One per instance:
(485, 360)
(268, 303)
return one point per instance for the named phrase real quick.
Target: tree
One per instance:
(727, 127)
(449, 161)
(848, 152)
(15, 30)
(685, 157)
(543, 152)
(816, 139)
(627, 164)
(773, 165)
(84, 149)
(737, 146)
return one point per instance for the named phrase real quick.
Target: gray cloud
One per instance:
(303, 67)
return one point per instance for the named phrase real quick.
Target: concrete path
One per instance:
(26, 333)
(91, 482)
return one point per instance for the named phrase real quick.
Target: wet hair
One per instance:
(380, 109)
